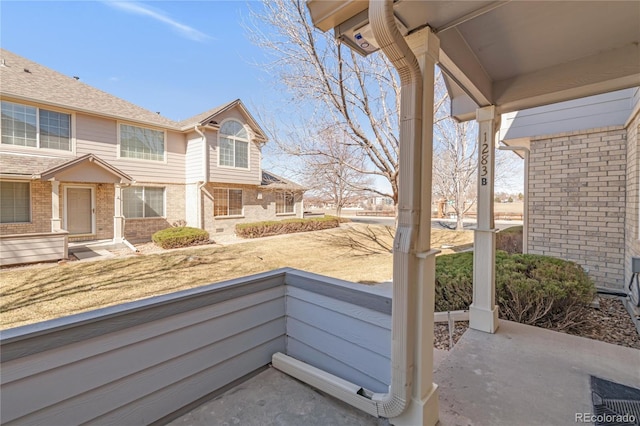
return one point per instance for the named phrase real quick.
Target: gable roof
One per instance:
(26, 165)
(22, 79)
(273, 181)
(28, 80)
(88, 158)
(208, 116)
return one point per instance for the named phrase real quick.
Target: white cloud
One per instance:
(158, 15)
(114, 79)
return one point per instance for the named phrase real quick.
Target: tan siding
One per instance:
(229, 174)
(99, 136)
(193, 158)
(37, 248)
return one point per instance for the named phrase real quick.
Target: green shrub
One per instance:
(287, 226)
(510, 240)
(182, 236)
(530, 289)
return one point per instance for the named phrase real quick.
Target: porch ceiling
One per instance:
(514, 54)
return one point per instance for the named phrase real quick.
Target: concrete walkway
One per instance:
(525, 375)
(521, 375)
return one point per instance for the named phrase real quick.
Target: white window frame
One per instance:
(164, 202)
(228, 215)
(235, 139)
(72, 131)
(119, 143)
(30, 203)
(281, 194)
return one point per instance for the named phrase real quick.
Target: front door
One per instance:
(80, 210)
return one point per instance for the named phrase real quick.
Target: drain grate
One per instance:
(615, 404)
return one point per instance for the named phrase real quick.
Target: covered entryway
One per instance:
(91, 205)
(80, 211)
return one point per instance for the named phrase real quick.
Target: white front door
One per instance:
(79, 210)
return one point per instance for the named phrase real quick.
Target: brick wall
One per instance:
(577, 191)
(632, 231)
(255, 210)
(138, 230)
(40, 212)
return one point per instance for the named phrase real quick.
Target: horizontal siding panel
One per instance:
(67, 355)
(367, 336)
(25, 250)
(352, 310)
(202, 366)
(321, 360)
(99, 136)
(358, 358)
(192, 388)
(82, 376)
(608, 109)
(193, 159)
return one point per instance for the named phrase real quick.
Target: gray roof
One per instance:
(24, 79)
(28, 165)
(273, 181)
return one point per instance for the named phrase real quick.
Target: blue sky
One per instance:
(179, 58)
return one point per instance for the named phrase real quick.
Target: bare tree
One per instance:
(331, 173)
(455, 166)
(357, 95)
(339, 92)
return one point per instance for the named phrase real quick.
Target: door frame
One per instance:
(93, 206)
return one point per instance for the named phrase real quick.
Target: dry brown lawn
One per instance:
(356, 253)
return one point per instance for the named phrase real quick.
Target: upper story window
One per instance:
(234, 145)
(26, 125)
(141, 143)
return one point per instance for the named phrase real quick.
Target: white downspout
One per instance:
(205, 176)
(413, 261)
(391, 42)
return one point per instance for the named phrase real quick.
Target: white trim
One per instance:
(38, 148)
(227, 216)
(93, 207)
(248, 141)
(30, 202)
(144, 200)
(156, 129)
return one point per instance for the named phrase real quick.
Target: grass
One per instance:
(34, 294)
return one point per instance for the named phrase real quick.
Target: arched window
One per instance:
(234, 145)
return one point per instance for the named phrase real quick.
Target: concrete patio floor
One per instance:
(521, 375)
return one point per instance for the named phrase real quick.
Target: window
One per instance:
(284, 202)
(25, 125)
(227, 202)
(143, 202)
(15, 202)
(234, 145)
(141, 143)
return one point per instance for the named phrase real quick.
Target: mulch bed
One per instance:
(609, 323)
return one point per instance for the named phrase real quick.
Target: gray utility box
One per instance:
(635, 265)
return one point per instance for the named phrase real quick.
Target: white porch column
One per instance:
(418, 262)
(483, 312)
(118, 217)
(56, 223)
